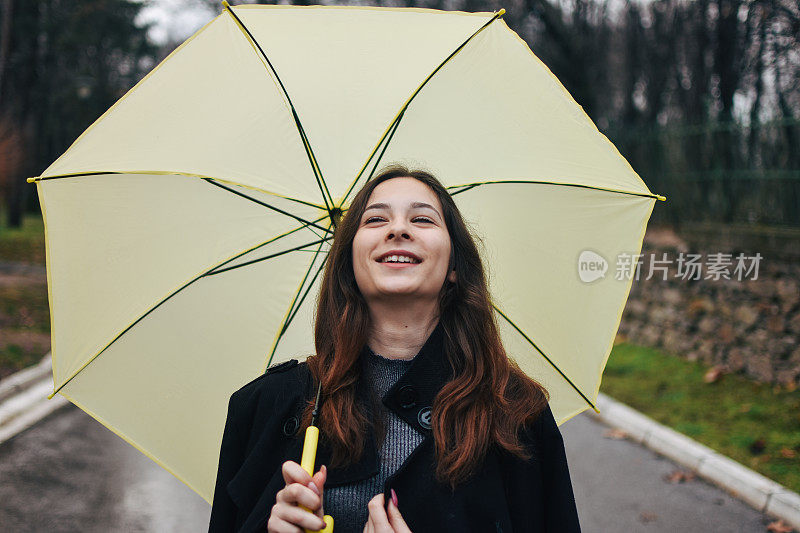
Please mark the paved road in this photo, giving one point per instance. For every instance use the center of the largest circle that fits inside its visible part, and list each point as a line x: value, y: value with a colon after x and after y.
x: 68, y: 474
x: 619, y: 487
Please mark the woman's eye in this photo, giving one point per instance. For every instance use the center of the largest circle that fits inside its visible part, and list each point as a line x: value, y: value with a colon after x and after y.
x: 381, y: 219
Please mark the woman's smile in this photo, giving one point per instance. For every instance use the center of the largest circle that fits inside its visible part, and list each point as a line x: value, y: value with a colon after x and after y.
x: 399, y: 259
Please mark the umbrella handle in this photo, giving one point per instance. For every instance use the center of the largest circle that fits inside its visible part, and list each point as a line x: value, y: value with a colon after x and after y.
x: 307, y: 462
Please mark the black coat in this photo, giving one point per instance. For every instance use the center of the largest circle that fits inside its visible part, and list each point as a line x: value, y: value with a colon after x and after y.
x: 506, y: 495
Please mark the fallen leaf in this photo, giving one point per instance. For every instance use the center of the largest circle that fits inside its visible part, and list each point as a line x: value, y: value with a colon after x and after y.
x: 713, y: 375
x: 745, y: 408
x: 616, y: 434
x: 645, y: 516
x: 788, y: 453
x: 679, y: 476
x: 779, y: 527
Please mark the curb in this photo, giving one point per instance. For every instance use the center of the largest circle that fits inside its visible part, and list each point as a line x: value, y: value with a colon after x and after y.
x: 23, y: 399
x: 758, y: 491
x: 21, y: 380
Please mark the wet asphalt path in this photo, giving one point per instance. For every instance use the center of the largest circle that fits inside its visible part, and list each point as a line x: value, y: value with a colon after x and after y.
x: 69, y: 474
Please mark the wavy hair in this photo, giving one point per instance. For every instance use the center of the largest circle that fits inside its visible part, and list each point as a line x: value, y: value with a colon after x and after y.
x: 489, y: 398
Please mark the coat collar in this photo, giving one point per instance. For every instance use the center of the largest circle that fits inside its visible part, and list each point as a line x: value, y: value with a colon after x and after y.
x: 410, y: 398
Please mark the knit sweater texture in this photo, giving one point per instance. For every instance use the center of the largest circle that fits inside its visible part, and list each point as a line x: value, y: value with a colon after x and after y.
x: 348, y: 503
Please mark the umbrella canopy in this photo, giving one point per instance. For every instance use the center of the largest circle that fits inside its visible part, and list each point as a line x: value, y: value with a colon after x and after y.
x: 187, y: 227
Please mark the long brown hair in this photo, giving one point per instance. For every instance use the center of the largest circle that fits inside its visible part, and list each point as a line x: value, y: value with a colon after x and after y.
x: 489, y: 398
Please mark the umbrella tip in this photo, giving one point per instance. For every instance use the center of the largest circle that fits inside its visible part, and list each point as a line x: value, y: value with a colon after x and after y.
x: 501, y: 12
x: 225, y: 4
x: 31, y: 180
x: 662, y: 198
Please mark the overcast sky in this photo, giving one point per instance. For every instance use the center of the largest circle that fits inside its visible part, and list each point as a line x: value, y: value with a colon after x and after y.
x: 176, y: 19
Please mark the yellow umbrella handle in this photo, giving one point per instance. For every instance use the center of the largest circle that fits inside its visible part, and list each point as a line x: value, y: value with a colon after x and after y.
x: 307, y: 462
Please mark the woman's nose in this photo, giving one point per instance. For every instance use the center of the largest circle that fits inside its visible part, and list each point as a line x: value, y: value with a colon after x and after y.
x: 399, y: 229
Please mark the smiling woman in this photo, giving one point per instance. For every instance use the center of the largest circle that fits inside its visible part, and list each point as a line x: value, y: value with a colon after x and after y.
x: 426, y: 424
x: 402, y: 250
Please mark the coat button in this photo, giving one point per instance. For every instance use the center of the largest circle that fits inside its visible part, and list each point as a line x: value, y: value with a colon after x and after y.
x: 407, y: 397
x: 424, y: 417
x: 290, y: 426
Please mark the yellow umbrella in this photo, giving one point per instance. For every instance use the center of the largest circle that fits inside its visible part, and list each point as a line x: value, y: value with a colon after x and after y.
x: 187, y: 227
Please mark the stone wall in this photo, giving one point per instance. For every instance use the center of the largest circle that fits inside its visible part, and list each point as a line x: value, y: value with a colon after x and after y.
x: 750, y: 326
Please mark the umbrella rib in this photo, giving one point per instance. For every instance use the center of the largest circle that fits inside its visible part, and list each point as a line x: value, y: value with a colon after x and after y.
x: 170, y: 173
x: 386, y: 145
x: 468, y: 186
x: 173, y: 293
x: 323, y: 187
x: 400, y: 113
x: 293, y: 309
x: 259, y: 202
x: 465, y: 189
x: 511, y: 322
x: 271, y: 256
x: 302, y: 299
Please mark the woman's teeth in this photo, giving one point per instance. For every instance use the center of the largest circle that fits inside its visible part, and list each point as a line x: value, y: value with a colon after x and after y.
x: 399, y: 259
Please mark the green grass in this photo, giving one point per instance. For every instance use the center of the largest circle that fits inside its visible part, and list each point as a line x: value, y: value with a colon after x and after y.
x: 14, y: 357
x: 25, y: 307
x: 24, y: 311
x: 755, y: 424
x: 24, y: 325
x: 24, y: 244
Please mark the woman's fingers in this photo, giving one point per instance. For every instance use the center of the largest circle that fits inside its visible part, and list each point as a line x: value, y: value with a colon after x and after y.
x: 301, y: 492
x: 381, y: 521
x: 320, y: 477
x: 318, y: 483
x: 369, y: 527
x: 294, y: 473
x: 378, y: 520
x: 303, y: 518
x: 297, y: 494
x: 396, y: 519
x: 276, y: 525
x: 286, y: 518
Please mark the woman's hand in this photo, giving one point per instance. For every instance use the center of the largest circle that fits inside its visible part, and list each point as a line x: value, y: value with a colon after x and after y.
x: 300, y: 489
x: 380, y: 522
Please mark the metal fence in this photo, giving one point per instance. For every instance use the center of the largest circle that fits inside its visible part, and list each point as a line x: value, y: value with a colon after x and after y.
x: 719, y: 172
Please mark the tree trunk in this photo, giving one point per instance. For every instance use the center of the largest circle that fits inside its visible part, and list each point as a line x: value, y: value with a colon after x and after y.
x: 5, y: 44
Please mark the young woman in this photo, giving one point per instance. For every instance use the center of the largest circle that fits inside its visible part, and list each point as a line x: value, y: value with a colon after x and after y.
x: 425, y: 423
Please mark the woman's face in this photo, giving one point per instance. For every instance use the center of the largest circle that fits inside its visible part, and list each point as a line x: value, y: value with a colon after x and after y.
x: 402, y: 248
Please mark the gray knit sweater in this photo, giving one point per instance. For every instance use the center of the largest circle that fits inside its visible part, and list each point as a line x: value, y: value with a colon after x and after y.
x: 347, y: 504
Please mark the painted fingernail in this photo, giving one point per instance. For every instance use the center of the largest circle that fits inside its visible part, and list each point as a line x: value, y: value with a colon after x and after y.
x: 313, y: 487
x: 394, y: 498
x: 324, y: 469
